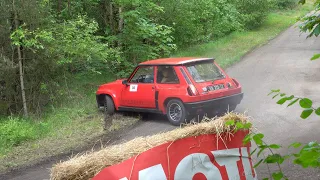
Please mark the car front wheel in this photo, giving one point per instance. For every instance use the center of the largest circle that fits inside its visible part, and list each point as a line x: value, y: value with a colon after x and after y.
x: 176, y: 112
x: 109, y: 108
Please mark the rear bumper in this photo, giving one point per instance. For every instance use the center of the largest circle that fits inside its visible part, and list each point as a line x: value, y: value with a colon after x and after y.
x: 213, y: 103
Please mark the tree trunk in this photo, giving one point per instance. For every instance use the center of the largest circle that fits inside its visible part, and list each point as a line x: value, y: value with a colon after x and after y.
x: 24, y: 102
x: 120, y: 20
x: 111, y: 16
x: 120, y: 26
x: 59, y: 6
x: 69, y: 8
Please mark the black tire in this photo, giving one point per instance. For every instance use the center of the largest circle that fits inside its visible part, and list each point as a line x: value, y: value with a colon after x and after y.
x: 144, y: 116
x: 178, y: 114
x: 109, y: 108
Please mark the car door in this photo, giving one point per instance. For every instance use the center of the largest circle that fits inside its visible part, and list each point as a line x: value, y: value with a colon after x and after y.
x: 139, y: 92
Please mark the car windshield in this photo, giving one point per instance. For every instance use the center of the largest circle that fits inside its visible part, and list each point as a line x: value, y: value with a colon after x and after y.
x: 202, y: 72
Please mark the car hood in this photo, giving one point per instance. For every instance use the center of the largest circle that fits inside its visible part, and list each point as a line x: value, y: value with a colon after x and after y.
x: 118, y: 81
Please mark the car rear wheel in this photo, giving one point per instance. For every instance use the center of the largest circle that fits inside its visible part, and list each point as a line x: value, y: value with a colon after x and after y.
x: 176, y: 112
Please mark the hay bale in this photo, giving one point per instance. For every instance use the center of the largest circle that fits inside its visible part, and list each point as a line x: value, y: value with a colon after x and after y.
x: 88, y: 165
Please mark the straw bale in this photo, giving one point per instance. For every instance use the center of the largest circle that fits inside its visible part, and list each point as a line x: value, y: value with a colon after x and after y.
x: 86, y: 166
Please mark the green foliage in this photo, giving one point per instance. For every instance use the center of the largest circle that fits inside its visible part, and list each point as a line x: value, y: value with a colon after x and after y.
x: 140, y: 36
x: 30, y: 39
x: 145, y: 40
x: 274, y: 146
x: 95, y: 36
x: 14, y: 131
x: 305, y: 103
x: 311, y: 23
x: 309, y: 155
x: 317, y: 111
x: 258, y: 138
x: 306, y: 113
x: 284, y: 4
x: 77, y: 47
x: 274, y: 158
x: 277, y: 175
x: 316, y: 56
x: 295, y: 145
x: 200, y: 21
x: 252, y: 12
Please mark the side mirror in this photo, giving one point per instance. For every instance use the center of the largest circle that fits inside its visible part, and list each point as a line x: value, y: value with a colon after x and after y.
x: 125, y: 82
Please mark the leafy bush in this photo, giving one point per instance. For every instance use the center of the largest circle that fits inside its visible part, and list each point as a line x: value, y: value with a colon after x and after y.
x: 199, y: 21
x: 142, y: 37
x: 224, y: 20
x: 15, y: 130
x: 76, y: 45
x: 252, y: 12
x: 284, y: 4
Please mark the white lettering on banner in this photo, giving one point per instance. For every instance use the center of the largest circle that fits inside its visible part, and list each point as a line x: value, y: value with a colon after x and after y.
x: 247, y: 166
x: 229, y: 159
x: 153, y: 173
x: 133, y: 88
x: 196, y: 163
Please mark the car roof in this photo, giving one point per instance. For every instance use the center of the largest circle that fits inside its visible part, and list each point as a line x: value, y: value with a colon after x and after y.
x: 175, y: 61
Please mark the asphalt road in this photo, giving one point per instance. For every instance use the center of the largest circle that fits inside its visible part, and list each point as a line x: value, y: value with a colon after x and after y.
x: 283, y: 64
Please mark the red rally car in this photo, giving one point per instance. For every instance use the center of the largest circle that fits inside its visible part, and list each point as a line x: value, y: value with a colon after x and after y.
x: 176, y: 87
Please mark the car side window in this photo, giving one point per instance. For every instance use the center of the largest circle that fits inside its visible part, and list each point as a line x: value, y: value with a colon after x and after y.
x: 167, y: 75
x: 143, y: 75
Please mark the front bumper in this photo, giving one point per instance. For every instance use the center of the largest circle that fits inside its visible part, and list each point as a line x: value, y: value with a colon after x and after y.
x: 214, y: 103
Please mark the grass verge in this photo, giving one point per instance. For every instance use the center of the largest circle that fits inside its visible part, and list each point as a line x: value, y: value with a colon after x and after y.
x: 78, y: 122
x: 231, y: 48
x: 73, y: 125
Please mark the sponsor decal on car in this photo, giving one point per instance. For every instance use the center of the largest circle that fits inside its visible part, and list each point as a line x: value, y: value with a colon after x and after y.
x: 133, y: 87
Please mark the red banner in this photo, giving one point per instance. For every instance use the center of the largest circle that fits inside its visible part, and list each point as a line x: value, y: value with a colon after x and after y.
x: 203, y: 157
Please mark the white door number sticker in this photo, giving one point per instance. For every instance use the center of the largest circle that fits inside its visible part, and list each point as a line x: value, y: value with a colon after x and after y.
x: 133, y: 87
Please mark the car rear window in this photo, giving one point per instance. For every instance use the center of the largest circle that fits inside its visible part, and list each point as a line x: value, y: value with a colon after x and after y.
x: 203, y: 72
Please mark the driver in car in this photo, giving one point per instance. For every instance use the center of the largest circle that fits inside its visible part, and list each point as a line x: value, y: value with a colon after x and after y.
x: 167, y: 75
